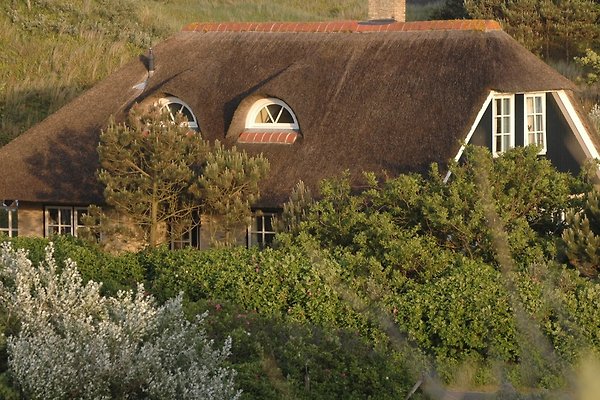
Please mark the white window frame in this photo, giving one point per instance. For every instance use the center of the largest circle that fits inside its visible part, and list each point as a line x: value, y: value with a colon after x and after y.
x: 12, y: 217
x: 511, y: 131
x: 257, y: 108
x: 186, y: 239
x: 166, y: 101
x: 69, y: 229
x: 77, y: 213
x: 263, y: 233
x: 526, y: 114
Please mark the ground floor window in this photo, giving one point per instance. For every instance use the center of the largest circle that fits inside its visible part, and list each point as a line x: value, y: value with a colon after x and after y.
x: 63, y: 220
x: 187, y: 237
x: 9, y: 218
x: 261, y: 231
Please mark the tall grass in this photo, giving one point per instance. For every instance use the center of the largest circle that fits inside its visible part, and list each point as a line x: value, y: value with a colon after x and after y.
x: 41, y: 73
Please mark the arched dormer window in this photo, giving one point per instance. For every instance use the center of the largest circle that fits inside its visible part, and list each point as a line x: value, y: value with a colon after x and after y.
x: 270, y: 120
x: 176, y: 106
x: 271, y: 114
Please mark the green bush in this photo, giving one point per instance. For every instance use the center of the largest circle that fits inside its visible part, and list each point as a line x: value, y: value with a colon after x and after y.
x: 115, y: 272
x: 276, y: 359
x: 463, y: 315
x: 286, y: 282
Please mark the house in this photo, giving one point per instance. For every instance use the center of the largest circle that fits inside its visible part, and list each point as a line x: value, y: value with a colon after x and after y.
x: 316, y: 99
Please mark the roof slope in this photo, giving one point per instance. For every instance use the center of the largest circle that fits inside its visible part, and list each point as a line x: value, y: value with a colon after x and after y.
x: 395, y: 101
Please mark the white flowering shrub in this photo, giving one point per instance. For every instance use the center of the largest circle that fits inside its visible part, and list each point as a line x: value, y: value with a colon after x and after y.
x: 74, y: 343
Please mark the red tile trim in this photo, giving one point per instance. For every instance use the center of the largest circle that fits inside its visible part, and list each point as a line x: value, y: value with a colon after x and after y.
x: 345, y: 26
x: 276, y: 137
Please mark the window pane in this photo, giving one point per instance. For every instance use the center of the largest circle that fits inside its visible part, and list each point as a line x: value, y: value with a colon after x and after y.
x: 286, y: 117
x: 498, y: 143
x: 538, y: 104
x: 505, y: 142
x: 529, y: 105
x: 15, y: 219
x: 505, y: 124
x: 530, y: 126
x: 65, y: 217
x: 269, y: 237
x: 268, y: 220
x: 4, y: 219
x: 506, y: 106
x: 539, y: 123
x: 498, y: 107
x: 262, y: 117
x: 52, y: 216
x: 274, y: 110
x: 80, y: 213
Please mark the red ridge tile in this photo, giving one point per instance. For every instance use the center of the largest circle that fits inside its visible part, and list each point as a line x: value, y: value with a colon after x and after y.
x: 342, y: 26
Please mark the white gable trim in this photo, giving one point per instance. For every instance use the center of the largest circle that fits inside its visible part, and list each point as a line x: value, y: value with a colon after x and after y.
x: 581, y: 133
x: 484, y: 107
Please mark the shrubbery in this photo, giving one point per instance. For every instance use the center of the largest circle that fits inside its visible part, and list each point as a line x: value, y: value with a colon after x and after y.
x: 274, y: 283
x: 74, y: 343
x: 407, y: 267
x: 278, y: 359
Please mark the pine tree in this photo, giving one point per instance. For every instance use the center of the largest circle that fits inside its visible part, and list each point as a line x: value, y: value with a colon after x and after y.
x: 296, y: 209
x: 147, y: 168
x: 582, y: 238
x: 228, y: 186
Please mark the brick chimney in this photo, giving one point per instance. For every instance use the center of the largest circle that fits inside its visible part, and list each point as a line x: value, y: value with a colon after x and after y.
x: 387, y: 9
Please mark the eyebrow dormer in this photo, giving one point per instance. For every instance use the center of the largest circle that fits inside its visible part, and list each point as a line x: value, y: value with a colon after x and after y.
x: 270, y: 120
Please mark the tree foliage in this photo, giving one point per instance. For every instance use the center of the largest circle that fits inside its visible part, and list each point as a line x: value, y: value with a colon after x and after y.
x: 147, y: 169
x: 228, y: 186
x: 158, y: 172
x: 412, y: 213
x: 591, y: 62
x: 552, y: 28
x: 582, y: 237
x: 74, y: 343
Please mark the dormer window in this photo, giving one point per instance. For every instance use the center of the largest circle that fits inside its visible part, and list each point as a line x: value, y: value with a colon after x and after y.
x: 176, y: 106
x: 270, y: 120
x: 271, y: 114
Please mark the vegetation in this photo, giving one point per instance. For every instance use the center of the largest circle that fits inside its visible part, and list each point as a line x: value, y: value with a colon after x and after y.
x: 71, y: 342
x: 147, y: 169
x: 408, y: 275
x: 554, y: 29
x: 475, y: 281
x: 227, y: 187
x: 159, y: 172
x: 582, y: 237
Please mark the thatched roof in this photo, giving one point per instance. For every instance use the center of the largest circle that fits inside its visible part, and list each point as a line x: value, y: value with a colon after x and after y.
x: 394, y: 100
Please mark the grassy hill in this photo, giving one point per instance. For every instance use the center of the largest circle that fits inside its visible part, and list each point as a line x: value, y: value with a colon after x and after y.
x: 52, y: 50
